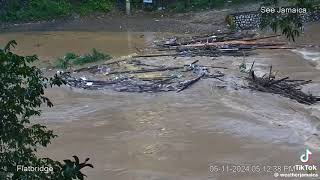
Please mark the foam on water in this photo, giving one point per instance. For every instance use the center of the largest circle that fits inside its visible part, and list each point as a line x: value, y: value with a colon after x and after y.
x: 310, y: 55
x: 272, y: 119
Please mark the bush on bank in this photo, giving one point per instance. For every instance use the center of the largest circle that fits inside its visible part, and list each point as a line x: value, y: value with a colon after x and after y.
x: 72, y: 59
x: 22, y: 89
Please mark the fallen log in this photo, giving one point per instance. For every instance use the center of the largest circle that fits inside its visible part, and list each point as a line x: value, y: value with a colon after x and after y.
x: 194, y: 62
x: 302, y: 83
x: 218, y: 67
x: 215, y: 76
x: 156, y: 55
x: 277, y: 81
x: 116, y: 62
x: 146, y: 70
x: 95, y: 67
x: 221, y: 37
x: 86, y: 68
x: 260, y: 38
x: 274, y: 47
x: 238, y: 42
x: 190, y: 83
x: 224, y: 44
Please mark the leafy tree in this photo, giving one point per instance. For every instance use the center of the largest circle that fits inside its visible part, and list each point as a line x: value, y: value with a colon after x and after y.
x: 290, y: 24
x: 21, y: 95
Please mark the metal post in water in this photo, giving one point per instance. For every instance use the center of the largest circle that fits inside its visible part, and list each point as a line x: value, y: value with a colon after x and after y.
x: 128, y: 8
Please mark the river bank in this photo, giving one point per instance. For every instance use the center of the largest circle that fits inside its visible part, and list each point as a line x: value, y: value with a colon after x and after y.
x: 143, y: 136
x: 194, y: 22
x: 199, y: 21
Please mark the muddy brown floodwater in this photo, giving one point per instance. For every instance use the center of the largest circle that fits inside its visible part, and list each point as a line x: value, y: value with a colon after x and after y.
x: 51, y: 45
x: 177, y: 136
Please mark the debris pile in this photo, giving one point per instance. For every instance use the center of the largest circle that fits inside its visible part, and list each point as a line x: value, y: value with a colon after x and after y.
x: 223, y: 44
x: 283, y: 86
x: 175, y: 78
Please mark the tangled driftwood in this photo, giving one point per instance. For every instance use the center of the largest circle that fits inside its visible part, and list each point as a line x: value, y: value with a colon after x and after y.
x: 223, y: 44
x: 283, y: 86
x: 124, y: 82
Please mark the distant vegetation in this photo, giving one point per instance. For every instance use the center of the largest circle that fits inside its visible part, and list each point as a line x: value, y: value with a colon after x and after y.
x: 291, y: 24
x: 71, y: 59
x: 91, y: 6
x: 187, y: 5
x: 34, y: 10
x: 26, y: 10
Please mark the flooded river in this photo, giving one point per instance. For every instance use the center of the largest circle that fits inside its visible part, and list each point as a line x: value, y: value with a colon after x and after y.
x: 51, y: 45
x: 177, y: 136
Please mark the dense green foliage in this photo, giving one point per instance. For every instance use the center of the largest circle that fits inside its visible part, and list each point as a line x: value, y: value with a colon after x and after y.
x: 290, y: 24
x: 25, y: 10
x: 14, y: 10
x: 187, y: 5
x: 71, y: 59
x: 21, y: 95
x: 91, y: 6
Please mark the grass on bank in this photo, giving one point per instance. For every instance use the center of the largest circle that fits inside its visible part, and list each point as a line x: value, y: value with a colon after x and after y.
x: 72, y: 59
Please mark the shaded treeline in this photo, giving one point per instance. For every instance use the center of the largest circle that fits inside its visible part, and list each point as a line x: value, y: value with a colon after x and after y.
x: 26, y: 10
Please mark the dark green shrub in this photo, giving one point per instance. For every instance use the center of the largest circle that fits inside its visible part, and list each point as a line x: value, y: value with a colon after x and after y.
x: 95, y: 56
x: 179, y: 6
x: 35, y: 10
x: 46, y: 9
x: 22, y: 94
x: 71, y: 56
x: 184, y: 5
x: 92, y: 6
x: 72, y: 59
x: 9, y: 9
x: 66, y: 62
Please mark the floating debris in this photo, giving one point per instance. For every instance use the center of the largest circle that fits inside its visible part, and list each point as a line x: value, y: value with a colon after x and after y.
x: 135, y: 75
x: 124, y: 81
x: 283, y: 86
x: 215, y: 45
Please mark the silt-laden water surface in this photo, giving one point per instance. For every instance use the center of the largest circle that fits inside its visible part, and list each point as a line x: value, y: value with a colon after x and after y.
x: 166, y: 136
